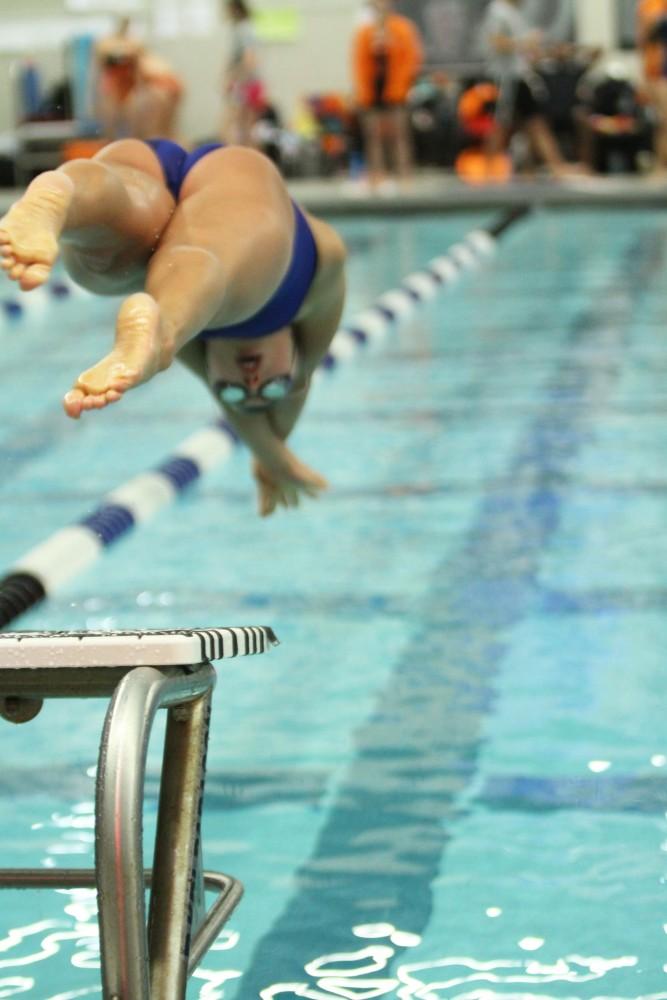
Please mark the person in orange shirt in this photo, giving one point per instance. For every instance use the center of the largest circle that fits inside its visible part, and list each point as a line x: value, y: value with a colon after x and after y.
x: 652, y: 43
x: 387, y: 56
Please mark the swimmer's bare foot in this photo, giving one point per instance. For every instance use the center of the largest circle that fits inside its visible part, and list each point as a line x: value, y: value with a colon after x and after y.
x: 29, y: 231
x: 134, y: 359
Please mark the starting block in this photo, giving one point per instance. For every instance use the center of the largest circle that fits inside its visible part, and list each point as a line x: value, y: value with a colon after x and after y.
x: 143, y: 957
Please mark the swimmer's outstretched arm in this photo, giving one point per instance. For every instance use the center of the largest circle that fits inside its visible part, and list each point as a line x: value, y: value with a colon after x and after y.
x: 282, y: 478
x: 317, y: 323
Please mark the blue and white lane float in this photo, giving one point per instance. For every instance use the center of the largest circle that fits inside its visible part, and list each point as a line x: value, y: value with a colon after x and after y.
x: 48, y: 567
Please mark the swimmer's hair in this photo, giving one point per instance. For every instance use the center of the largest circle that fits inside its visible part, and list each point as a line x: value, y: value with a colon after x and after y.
x: 240, y: 9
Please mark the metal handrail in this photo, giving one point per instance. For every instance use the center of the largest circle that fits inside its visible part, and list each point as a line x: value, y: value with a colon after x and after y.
x: 229, y: 893
x: 126, y: 969
x: 153, y: 962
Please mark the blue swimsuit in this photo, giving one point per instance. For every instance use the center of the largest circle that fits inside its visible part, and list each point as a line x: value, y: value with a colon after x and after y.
x: 285, y: 303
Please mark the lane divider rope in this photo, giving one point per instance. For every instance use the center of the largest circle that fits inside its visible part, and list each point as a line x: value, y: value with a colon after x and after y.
x: 45, y: 569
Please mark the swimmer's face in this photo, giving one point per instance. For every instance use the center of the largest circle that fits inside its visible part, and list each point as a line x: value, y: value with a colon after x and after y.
x: 252, y: 375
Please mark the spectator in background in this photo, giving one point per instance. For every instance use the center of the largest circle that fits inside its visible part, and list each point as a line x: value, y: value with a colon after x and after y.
x: 433, y: 119
x: 476, y: 163
x: 117, y: 76
x: 387, y: 56
x: 156, y: 99
x: 615, y: 131
x: 244, y: 89
x: 565, y: 70
x: 652, y: 43
x: 511, y: 47
x: 138, y: 93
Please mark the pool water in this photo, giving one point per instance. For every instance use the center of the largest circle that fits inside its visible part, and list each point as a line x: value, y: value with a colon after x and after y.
x: 450, y: 780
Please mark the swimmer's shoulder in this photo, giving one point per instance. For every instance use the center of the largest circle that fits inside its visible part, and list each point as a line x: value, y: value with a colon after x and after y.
x: 331, y: 249
x: 327, y: 290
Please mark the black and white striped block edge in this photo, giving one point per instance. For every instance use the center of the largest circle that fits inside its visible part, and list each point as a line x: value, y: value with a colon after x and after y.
x: 155, y: 647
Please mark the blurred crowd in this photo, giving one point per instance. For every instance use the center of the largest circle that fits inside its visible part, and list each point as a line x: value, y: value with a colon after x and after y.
x: 531, y: 105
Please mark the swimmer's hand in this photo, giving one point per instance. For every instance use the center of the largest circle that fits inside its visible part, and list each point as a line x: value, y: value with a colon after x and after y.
x: 284, y: 485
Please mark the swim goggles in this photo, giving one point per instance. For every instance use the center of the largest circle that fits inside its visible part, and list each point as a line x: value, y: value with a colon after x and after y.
x: 237, y: 394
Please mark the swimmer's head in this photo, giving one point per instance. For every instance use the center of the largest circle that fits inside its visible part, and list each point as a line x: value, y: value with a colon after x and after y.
x: 252, y: 375
x: 238, y: 10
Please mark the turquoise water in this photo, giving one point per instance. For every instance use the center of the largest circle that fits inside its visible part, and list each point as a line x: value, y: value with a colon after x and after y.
x: 450, y: 779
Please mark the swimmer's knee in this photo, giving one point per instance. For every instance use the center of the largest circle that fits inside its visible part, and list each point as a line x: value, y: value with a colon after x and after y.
x: 102, y: 279
x: 80, y: 165
x: 88, y: 175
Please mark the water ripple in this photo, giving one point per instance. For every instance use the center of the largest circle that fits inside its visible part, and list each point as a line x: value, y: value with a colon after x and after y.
x: 367, y: 973
x: 14, y: 987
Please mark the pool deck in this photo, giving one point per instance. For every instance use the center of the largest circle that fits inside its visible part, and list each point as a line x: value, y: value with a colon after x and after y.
x: 440, y: 191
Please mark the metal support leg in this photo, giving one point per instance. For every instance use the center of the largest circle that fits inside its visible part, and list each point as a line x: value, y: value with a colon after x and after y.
x: 118, y: 839
x: 177, y: 899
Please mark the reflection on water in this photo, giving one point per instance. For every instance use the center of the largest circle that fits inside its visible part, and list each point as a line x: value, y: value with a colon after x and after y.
x: 357, y: 974
x: 73, y: 994
x: 78, y: 935
x: 15, y: 986
x: 378, y: 968
x: 47, y: 947
x: 215, y: 981
x: 363, y: 973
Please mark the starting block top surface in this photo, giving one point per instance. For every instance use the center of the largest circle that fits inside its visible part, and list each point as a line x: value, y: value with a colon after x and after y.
x: 151, y: 648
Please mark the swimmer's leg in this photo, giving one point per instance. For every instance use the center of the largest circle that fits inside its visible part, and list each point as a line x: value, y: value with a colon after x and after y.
x: 135, y: 357
x: 152, y: 328
x: 107, y: 213
x: 30, y: 231
x: 220, y: 257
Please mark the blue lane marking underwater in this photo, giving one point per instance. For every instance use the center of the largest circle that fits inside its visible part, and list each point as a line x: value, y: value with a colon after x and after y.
x: 443, y: 684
